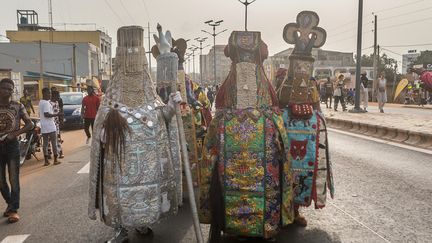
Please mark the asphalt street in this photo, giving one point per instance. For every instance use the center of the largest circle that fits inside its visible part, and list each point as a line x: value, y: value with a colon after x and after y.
x: 383, y: 194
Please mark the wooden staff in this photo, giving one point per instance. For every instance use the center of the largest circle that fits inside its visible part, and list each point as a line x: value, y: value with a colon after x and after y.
x: 167, y: 72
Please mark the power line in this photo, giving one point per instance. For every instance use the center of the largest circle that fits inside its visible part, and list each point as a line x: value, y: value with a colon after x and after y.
x: 146, y: 9
x: 392, y: 51
x: 428, y: 44
x: 404, y: 14
x: 407, y: 23
x: 114, y: 12
x: 346, y: 31
x: 351, y: 37
x: 399, y: 6
x: 127, y: 12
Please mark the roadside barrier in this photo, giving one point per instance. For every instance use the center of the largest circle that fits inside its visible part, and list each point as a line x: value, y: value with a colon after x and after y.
x: 413, y: 138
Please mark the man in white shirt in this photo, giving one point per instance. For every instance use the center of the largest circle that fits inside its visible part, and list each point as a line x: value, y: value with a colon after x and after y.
x: 48, y: 127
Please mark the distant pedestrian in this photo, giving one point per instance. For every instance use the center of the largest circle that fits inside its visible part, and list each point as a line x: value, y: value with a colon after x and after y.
x: 210, y: 96
x: 48, y: 126
x: 55, y: 96
x: 338, y: 93
x: 11, y: 113
x: 328, y: 92
x: 60, y: 103
x: 364, y: 91
x: 382, y: 92
x: 90, y: 106
x: 27, y: 102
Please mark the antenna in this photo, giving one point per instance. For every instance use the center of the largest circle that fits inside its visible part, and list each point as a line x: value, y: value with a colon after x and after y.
x: 246, y: 3
x: 50, y: 19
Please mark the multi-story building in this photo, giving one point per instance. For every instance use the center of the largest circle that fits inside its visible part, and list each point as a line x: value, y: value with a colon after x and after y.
x: 63, y: 58
x: 327, y: 64
x: 57, y: 63
x: 30, y: 31
x: 223, y: 65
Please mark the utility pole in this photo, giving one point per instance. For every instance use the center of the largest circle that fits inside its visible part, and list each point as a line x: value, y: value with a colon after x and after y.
x: 359, y: 57
x: 193, y: 49
x: 246, y: 3
x: 375, y: 57
x: 149, y: 46
x: 214, y: 24
x: 201, y: 40
x: 50, y: 20
x: 41, y: 79
x: 74, y: 67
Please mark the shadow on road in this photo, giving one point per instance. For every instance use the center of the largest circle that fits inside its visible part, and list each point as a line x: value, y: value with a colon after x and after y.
x: 292, y: 234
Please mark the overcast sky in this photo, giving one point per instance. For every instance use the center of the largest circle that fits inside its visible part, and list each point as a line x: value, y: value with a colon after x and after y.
x: 401, y: 22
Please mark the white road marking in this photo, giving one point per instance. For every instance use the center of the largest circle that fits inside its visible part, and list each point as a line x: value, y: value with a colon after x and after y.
x: 15, y: 239
x: 85, y: 169
x: 426, y: 151
x: 359, y: 222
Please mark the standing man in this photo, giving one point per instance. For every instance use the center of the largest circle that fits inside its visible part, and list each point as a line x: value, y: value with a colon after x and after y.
x: 60, y: 103
x: 328, y: 92
x: 11, y: 113
x: 338, y: 93
x: 26, y: 101
x: 364, y: 82
x: 48, y: 126
x: 210, y: 96
x: 90, y: 106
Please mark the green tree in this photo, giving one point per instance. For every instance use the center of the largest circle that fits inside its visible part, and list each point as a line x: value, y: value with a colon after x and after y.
x: 385, y: 64
x: 424, y: 58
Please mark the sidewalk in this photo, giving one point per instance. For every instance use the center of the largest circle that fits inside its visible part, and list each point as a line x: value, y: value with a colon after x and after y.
x: 402, y: 105
x: 411, y: 129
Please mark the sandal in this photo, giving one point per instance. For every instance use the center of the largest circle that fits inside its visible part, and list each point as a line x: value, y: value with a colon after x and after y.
x: 300, y: 221
x: 13, y: 217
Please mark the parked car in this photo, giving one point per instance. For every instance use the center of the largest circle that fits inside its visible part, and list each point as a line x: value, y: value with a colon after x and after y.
x: 72, y: 109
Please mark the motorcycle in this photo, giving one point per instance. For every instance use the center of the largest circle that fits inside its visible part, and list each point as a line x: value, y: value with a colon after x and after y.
x: 30, y: 143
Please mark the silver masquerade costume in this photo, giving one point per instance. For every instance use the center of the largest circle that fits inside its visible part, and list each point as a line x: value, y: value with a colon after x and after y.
x: 141, y: 188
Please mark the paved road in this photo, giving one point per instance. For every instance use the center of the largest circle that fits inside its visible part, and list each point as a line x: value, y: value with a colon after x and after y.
x: 382, y: 195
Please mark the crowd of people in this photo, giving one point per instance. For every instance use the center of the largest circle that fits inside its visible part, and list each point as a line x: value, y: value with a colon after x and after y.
x: 50, y: 117
x: 338, y: 92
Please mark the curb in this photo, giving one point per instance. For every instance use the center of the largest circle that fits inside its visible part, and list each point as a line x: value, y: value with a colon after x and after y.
x: 418, y: 139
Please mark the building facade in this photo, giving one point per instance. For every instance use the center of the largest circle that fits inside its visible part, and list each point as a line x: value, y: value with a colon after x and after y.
x: 408, y: 59
x: 223, y: 65
x: 57, y: 63
x: 29, y: 30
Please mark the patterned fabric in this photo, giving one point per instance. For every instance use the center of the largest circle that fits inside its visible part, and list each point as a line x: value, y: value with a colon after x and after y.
x: 310, y: 170
x: 246, y: 147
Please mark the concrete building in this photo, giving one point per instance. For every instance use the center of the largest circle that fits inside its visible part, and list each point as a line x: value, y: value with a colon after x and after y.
x: 327, y: 64
x: 223, y: 65
x: 29, y: 30
x: 57, y: 63
x: 408, y: 59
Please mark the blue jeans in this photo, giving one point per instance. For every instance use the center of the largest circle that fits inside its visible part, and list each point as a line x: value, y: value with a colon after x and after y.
x: 9, y: 158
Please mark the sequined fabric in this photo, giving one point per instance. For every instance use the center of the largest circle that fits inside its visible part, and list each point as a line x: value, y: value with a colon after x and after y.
x: 143, y: 190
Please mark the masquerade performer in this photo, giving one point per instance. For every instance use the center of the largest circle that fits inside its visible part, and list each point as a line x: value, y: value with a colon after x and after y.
x: 245, y: 185
x: 133, y: 180
x: 304, y: 122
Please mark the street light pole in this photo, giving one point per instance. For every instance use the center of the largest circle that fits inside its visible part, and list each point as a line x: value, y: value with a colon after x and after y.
x: 201, y: 40
x: 246, y: 3
x: 214, y: 24
x: 193, y: 49
x: 359, y: 57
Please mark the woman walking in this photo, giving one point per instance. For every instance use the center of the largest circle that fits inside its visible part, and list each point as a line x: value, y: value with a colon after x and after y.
x: 382, y: 93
